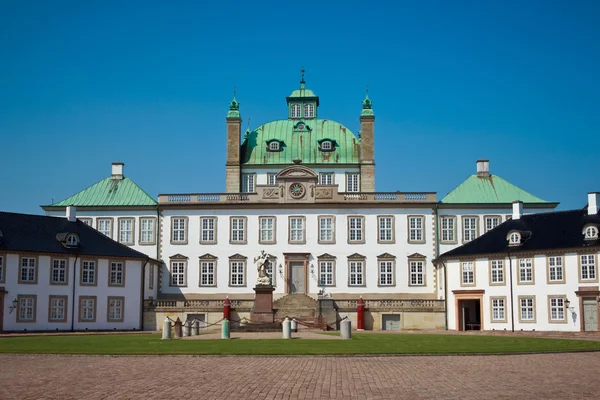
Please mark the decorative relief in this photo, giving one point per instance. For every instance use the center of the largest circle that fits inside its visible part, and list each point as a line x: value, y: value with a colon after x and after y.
x: 323, y: 193
x: 270, y: 193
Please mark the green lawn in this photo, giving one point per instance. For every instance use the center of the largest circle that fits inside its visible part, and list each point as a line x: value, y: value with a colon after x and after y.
x: 361, y: 343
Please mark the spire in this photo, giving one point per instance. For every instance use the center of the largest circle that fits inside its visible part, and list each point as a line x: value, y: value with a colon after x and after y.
x: 367, y: 106
x: 302, y: 82
x: 234, y: 107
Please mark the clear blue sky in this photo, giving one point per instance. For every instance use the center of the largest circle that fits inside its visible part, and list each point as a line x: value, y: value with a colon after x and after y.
x: 85, y: 83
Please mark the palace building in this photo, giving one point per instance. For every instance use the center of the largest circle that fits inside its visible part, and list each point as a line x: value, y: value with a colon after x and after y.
x: 302, y: 189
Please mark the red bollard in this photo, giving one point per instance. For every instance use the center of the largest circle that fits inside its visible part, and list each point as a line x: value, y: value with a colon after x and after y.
x: 360, y: 314
x: 227, y: 309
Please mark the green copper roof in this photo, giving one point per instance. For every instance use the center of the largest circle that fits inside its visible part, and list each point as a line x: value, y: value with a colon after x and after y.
x: 490, y: 189
x: 300, y: 144
x: 302, y: 93
x: 367, y: 106
x: 234, y: 108
x: 109, y: 192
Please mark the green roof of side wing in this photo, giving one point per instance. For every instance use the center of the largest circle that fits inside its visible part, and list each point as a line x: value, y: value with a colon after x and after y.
x: 488, y: 190
x: 300, y: 144
x: 109, y: 192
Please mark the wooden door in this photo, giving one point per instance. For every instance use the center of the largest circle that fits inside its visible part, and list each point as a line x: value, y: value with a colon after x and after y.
x: 590, y: 315
x: 297, y: 277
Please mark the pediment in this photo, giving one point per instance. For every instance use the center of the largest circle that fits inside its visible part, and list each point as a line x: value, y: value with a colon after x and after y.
x: 417, y: 255
x: 326, y: 256
x: 296, y: 172
x: 356, y: 255
x: 237, y: 256
x: 386, y: 255
x: 178, y: 256
x: 207, y: 256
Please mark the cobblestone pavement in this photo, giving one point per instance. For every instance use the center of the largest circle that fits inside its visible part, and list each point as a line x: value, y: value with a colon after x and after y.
x: 543, y: 376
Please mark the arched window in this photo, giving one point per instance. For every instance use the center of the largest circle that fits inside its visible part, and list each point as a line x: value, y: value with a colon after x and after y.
x: 326, y: 145
x: 295, y: 111
x: 309, y: 111
x: 514, y: 238
x: 274, y: 146
x: 72, y: 240
x: 591, y: 232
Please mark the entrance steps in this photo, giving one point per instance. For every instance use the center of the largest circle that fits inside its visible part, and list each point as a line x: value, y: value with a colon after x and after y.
x: 298, y: 306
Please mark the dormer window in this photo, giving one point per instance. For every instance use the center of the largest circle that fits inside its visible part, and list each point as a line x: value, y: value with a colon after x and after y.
x: 309, y: 111
x: 274, y: 145
x: 590, y: 232
x: 514, y: 239
x: 72, y: 240
x: 327, y: 145
x: 295, y: 111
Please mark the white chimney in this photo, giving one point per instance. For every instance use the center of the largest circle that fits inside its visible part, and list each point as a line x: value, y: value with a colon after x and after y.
x: 117, y: 170
x: 517, y: 209
x: 593, y: 202
x: 71, y: 213
x: 483, y: 167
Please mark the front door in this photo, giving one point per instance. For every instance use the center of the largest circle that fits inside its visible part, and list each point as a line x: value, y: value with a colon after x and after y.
x: 297, y: 277
x: 391, y: 322
x: 590, y: 315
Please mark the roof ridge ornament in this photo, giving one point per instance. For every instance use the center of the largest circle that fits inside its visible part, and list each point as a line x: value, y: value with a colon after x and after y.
x: 234, y: 106
x: 302, y: 82
x: 367, y: 105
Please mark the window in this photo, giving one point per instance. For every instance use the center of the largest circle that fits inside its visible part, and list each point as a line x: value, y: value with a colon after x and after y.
x: 498, y: 309
x: 237, y: 272
x: 327, y: 145
x: 238, y: 230
x: 271, y: 179
x: 151, y: 277
x: 356, y: 227
x: 88, y: 273
x: 526, y: 270
x: 2, y: 280
x: 295, y: 111
x: 28, y: 272
x: 415, y: 229
x: 57, y: 309
x: 527, y: 309
x: 104, y: 226
x: 386, y: 272
x: 356, y: 274
x: 587, y: 267
x: 116, y: 309
x: 126, y: 230
x: 385, y: 233
x: 207, y: 273
x: 514, y: 239
x: 469, y: 228
x: 248, y: 183
x: 87, y: 309
x: 326, y: 178
x: 591, y: 232
x: 352, y: 183
x: 557, y: 309
x: 59, y: 272
x: 27, y: 307
x: 555, y: 270
x: 274, y: 146
x: 72, y: 240
x: 326, y: 229
x: 309, y: 111
x: 468, y: 273
x: 208, y: 230
x: 179, y: 273
x: 296, y: 234
x: 492, y: 221
x: 326, y: 272
x: 270, y: 268
x: 179, y: 230
x: 87, y: 221
x: 147, y: 231
x: 449, y: 229
x: 266, y: 232
x: 496, y: 272
x: 417, y: 273
x: 116, y: 274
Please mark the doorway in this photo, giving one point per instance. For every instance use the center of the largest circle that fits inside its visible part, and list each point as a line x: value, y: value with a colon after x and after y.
x: 469, y: 315
x: 297, y: 277
x: 2, y: 293
x: 390, y: 322
x: 590, y: 314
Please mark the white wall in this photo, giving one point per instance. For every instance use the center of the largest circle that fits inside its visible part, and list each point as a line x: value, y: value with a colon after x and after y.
x: 43, y: 289
x: 541, y: 290
x: 340, y: 174
x: 341, y: 249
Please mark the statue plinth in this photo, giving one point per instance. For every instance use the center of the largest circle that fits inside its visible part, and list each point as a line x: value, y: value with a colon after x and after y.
x: 263, y: 304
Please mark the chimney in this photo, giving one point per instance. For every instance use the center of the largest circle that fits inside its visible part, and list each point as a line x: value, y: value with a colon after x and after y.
x: 71, y: 213
x: 593, y: 200
x: 117, y: 170
x: 483, y: 168
x: 517, y: 209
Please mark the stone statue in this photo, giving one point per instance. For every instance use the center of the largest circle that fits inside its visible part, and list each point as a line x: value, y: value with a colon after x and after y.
x: 262, y: 262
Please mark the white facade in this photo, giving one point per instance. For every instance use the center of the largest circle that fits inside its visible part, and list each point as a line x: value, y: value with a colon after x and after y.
x: 266, y: 175
x: 42, y: 299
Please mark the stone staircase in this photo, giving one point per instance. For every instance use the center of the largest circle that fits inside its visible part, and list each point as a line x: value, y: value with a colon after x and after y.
x: 298, y: 306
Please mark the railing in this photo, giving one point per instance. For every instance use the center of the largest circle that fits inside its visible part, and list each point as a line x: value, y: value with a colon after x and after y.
x: 404, y: 305
x: 203, y: 304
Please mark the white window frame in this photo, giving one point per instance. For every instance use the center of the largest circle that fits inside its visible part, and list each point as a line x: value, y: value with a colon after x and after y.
x: 556, y: 309
x: 179, y: 227
x: 27, y: 308
x: 353, y: 182
x: 116, y: 273
x: 448, y: 229
x: 274, y: 146
x: 591, y: 232
x: 248, y: 183
x: 208, y: 230
x: 356, y: 273
x: 237, y: 230
x: 356, y: 229
x: 386, y: 272
x: 385, y: 229
x: 208, y: 273
x: 498, y: 309
x: 326, y: 273
x: 556, y: 269
x: 58, y: 274
x: 527, y: 309
x: 297, y: 229
x: 587, y: 268
x: 147, y: 231
x: 526, y: 271
x: 489, y: 222
x: 295, y: 110
x: 271, y: 179
x: 326, y: 145
x: 416, y: 272
x: 326, y: 178
x: 115, y: 309
x: 105, y: 226
x: 57, y: 309
x: 28, y: 270
x: 178, y: 269
x: 87, y: 309
x: 126, y: 230
x: 467, y: 272
x: 237, y: 273
x: 497, y: 272
x: 326, y: 228
x: 416, y: 229
x: 89, y: 273
x: 309, y: 110
x: 470, y: 225
x: 266, y: 229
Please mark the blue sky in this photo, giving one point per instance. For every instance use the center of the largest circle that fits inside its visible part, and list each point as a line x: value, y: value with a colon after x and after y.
x: 85, y: 83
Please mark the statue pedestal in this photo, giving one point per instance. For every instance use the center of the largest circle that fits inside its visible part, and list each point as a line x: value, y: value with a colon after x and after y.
x: 263, y: 304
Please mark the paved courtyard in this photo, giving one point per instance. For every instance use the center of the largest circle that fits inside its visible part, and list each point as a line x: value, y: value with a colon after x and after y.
x: 550, y: 376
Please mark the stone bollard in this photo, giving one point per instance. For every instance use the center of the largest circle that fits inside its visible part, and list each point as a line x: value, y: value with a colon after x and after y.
x: 177, y: 329
x: 294, y: 325
x: 166, y: 333
x: 187, y: 328
x: 287, y: 328
x: 225, y: 329
x: 195, y: 328
x: 346, y: 329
